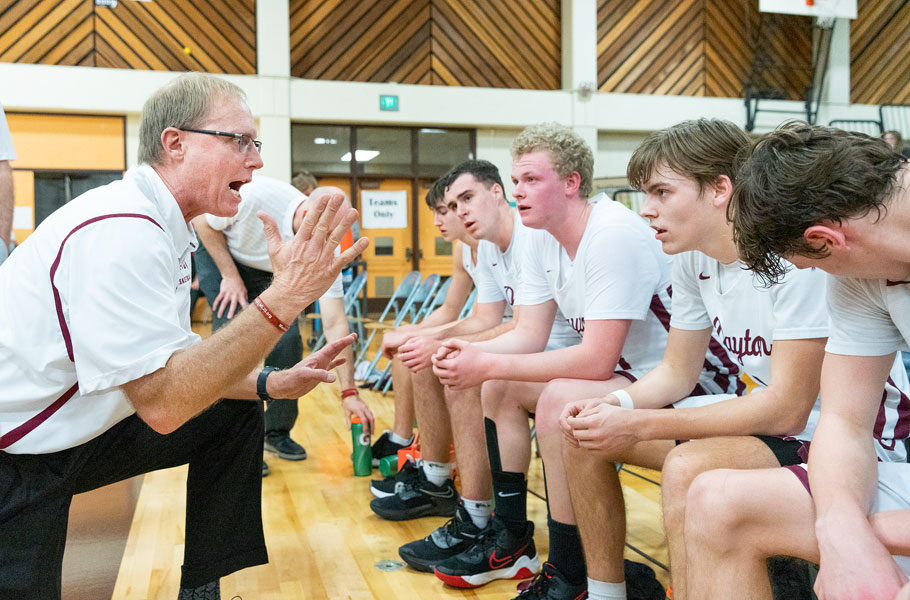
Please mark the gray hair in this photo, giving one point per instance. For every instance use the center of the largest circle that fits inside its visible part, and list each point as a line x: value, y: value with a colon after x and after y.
x: 184, y: 102
x: 568, y: 151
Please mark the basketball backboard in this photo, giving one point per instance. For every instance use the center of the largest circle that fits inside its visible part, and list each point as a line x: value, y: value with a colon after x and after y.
x: 845, y: 9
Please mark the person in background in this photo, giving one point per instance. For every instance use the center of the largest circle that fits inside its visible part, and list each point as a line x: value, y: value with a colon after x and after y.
x: 234, y: 267
x: 7, y: 153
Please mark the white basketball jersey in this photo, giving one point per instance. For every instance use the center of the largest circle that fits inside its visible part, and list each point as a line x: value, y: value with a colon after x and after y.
x: 619, y: 272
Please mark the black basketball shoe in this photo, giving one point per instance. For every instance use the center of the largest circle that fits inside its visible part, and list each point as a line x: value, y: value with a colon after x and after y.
x: 456, y: 535
x: 417, y: 498
x: 550, y: 584
x: 381, y: 488
x: 499, y: 554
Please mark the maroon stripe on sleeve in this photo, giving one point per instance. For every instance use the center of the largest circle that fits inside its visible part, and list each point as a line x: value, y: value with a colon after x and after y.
x: 63, y: 328
x: 14, y: 435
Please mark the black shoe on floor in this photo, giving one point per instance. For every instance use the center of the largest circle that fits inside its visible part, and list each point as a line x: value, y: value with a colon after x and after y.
x: 499, y: 554
x: 265, y: 469
x: 284, y: 447
x: 446, y: 541
x: 417, y: 498
x: 641, y: 582
x: 550, y: 584
x: 382, y: 488
x: 385, y: 447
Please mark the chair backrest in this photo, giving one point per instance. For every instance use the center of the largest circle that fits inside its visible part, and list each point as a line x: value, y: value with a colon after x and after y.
x: 421, y: 296
x: 402, y: 293
x: 437, y: 301
x: 469, y: 303
x: 351, y: 294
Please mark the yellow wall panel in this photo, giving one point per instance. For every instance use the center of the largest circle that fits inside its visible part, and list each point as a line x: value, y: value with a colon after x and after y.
x: 68, y: 142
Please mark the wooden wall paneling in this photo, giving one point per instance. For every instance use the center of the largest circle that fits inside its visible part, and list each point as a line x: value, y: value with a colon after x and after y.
x: 880, y: 52
x: 159, y: 47
x: 411, y: 62
x: 674, y: 53
x: 391, y: 35
x: 728, y: 46
x: 464, y: 56
x: 35, y: 23
x: 442, y: 42
x: 69, y: 31
x: 633, y: 46
x: 531, y: 35
x: 134, y: 35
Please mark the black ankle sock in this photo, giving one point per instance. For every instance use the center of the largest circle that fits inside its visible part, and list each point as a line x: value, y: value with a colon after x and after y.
x: 566, y: 553
x: 209, y: 591
x: 510, y: 493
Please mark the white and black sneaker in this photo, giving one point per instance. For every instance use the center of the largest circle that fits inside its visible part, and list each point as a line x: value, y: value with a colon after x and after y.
x: 417, y: 498
x: 382, y: 488
x: 385, y: 447
x: 456, y: 535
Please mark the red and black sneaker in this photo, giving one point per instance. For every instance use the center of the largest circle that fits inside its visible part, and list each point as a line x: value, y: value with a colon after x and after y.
x: 499, y: 554
x: 550, y: 584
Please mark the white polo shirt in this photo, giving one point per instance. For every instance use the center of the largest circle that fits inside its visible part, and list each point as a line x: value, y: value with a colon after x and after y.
x: 619, y: 272
x: 244, y: 234
x: 7, y: 152
x: 871, y: 317
x: 96, y: 297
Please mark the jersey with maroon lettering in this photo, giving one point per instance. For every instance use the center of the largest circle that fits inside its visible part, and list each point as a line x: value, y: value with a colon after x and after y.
x: 746, y: 317
x: 619, y: 272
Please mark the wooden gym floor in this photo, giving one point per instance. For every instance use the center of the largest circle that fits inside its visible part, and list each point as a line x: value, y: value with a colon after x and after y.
x: 323, y: 539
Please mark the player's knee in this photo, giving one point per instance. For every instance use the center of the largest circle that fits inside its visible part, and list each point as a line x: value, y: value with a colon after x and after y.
x: 682, y: 465
x: 493, y: 397
x: 549, y: 406
x: 712, y: 515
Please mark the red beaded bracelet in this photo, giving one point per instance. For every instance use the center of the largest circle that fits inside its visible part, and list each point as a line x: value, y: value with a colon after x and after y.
x: 348, y: 393
x: 269, y: 315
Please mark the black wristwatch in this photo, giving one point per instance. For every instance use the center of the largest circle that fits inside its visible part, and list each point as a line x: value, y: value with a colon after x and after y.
x: 260, y: 384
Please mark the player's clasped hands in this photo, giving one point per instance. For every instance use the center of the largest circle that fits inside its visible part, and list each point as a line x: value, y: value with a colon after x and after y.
x: 459, y: 365
x: 597, y: 424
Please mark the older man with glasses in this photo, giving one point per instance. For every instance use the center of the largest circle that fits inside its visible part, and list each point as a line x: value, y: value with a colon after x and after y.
x: 103, y: 379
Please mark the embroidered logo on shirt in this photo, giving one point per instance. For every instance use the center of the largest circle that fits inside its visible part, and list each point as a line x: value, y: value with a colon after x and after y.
x: 702, y: 276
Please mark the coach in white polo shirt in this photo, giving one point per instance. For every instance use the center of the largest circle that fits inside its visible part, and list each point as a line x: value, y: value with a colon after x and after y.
x: 233, y: 266
x: 101, y: 376
x: 7, y: 153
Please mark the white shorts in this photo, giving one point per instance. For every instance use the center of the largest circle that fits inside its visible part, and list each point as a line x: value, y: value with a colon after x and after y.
x: 893, y: 493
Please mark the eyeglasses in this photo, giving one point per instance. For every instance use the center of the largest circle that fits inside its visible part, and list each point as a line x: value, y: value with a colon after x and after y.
x: 244, y: 141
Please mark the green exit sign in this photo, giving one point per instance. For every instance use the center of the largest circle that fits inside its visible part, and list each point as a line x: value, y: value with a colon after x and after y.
x: 388, y: 103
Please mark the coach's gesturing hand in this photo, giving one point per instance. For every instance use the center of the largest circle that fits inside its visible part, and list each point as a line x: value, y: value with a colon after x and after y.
x: 306, y: 265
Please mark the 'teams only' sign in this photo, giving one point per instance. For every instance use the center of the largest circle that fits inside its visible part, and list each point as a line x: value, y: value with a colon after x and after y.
x: 384, y: 210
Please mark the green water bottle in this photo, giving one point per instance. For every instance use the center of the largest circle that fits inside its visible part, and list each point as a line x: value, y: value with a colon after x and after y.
x: 362, y: 457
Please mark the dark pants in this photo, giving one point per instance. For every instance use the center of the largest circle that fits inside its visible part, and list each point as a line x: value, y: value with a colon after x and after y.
x: 282, y: 412
x: 223, y: 447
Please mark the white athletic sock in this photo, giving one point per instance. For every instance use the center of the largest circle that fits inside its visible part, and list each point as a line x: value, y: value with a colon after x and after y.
x: 480, y: 511
x: 436, y: 472
x: 394, y: 437
x: 604, y: 590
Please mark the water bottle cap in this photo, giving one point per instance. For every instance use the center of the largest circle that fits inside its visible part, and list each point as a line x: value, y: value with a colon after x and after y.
x: 356, y: 420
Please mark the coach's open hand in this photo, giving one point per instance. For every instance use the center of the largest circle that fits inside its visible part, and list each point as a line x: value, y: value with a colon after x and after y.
x: 309, y: 372
x: 305, y: 266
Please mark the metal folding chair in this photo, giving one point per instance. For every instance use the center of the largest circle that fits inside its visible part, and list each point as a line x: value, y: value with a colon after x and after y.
x: 351, y: 309
x: 396, y: 303
x: 468, y: 305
